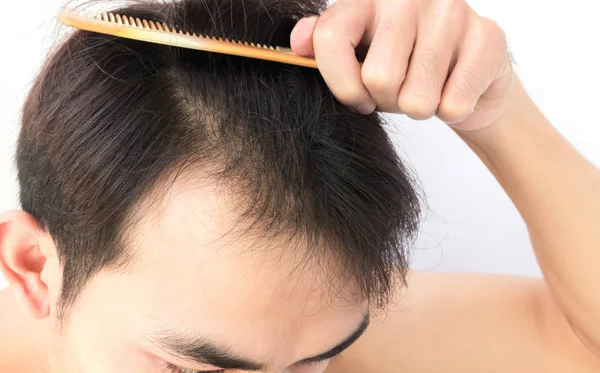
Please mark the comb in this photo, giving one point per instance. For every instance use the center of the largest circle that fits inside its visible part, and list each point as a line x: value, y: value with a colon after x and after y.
x: 160, y: 33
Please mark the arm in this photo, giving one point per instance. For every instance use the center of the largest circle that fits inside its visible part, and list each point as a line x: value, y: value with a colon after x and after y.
x: 557, y: 191
x: 478, y: 323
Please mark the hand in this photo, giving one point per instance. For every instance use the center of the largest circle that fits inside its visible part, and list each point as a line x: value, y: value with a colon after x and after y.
x: 425, y: 58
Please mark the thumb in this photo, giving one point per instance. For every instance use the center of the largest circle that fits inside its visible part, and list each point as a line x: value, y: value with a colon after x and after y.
x: 302, y: 36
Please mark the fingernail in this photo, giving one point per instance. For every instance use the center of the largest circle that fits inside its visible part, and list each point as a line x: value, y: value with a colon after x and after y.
x: 366, y: 108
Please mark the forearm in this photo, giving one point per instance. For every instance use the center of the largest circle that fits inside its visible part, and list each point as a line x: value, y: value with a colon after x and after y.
x: 557, y: 191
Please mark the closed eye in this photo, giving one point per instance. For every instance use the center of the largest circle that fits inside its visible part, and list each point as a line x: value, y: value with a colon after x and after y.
x: 321, y: 360
x: 173, y: 369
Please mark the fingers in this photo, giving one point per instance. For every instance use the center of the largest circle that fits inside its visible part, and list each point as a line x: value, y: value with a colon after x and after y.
x: 421, y: 62
x: 301, y: 36
x: 337, y: 33
x: 385, y: 66
x: 478, y: 63
x: 436, y: 46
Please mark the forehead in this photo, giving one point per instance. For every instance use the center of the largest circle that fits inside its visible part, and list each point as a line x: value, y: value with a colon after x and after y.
x: 194, y: 266
x: 197, y: 226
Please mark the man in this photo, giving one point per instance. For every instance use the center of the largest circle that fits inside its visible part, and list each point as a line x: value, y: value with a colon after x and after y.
x: 187, y: 300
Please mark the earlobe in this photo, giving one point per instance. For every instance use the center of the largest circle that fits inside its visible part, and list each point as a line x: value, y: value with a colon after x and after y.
x: 22, y: 260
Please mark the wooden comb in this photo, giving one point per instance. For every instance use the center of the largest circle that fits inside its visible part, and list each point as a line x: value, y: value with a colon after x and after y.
x: 160, y: 33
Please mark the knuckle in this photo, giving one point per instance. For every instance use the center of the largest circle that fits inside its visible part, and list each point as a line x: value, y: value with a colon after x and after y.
x: 494, y: 39
x: 450, y: 112
x: 492, y: 29
x: 325, y: 32
x: 378, y: 79
x: 487, y: 24
x: 458, y: 7
x: 453, y: 12
x: 417, y: 106
x: 351, y: 94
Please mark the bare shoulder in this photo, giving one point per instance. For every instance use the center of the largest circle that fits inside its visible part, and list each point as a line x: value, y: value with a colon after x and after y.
x: 21, y: 338
x: 469, y: 323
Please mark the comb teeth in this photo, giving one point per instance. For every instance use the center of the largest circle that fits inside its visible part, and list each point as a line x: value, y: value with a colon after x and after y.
x: 151, y: 25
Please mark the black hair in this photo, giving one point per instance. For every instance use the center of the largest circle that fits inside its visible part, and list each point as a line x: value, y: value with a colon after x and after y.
x: 108, y: 118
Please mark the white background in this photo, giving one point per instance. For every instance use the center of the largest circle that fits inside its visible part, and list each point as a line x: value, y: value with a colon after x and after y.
x: 471, y: 224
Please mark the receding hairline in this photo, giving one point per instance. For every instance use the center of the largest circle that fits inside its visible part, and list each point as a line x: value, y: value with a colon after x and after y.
x: 312, y: 257
x: 323, y: 116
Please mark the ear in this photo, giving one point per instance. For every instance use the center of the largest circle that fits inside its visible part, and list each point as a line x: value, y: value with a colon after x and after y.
x: 22, y: 260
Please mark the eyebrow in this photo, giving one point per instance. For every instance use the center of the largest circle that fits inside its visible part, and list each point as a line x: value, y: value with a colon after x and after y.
x: 201, y: 350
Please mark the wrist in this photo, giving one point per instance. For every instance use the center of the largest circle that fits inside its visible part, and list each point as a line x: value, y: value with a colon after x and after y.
x: 519, y: 119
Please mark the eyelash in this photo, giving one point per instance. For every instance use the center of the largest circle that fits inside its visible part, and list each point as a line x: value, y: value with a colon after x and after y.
x: 173, y: 369
x: 331, y: 359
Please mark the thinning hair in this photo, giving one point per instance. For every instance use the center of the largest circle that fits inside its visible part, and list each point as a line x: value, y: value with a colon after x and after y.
x: 108, y: 118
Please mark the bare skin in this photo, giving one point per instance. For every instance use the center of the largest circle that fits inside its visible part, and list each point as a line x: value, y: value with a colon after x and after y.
x: 442, y: 322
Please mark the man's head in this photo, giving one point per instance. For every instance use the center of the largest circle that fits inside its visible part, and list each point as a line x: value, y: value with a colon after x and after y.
x: 179, y: 203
